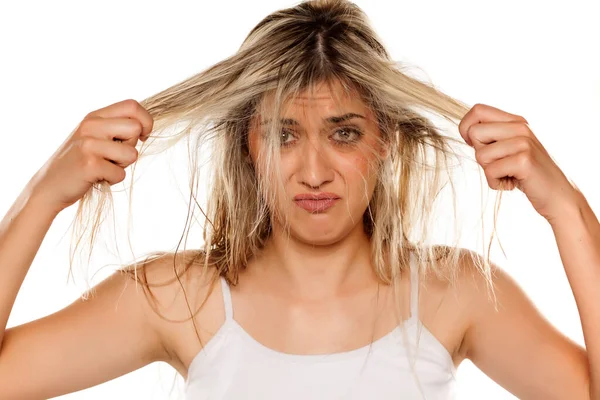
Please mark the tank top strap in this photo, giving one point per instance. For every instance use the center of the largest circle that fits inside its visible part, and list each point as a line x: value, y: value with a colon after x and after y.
x: 414, y: 288
x: 226, y: 298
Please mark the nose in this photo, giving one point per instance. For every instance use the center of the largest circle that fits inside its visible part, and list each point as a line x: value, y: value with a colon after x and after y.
x: 315, y: 167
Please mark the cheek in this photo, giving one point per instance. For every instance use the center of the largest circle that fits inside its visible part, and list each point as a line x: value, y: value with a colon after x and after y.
x: 359, y: 168
x: 288, y: 164
x: 252, y: 144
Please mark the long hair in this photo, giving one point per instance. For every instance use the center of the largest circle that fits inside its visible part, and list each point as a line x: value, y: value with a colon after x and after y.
x: 289, y: 51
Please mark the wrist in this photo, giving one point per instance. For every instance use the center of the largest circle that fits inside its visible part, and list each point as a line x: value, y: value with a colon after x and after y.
x: 40, y: 203
x: 572, y: 211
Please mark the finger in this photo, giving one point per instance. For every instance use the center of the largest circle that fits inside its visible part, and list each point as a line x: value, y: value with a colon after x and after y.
x: 125, y: 129
x: 130, y: 109
x: 484, y: 113
x: 487, y: 154
x: 112, y: 173
x: 513, y: 168
x: 489, y: 132
x: 120, y: 154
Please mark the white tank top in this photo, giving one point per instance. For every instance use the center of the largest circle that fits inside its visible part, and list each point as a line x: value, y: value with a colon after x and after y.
x: 234, y: 366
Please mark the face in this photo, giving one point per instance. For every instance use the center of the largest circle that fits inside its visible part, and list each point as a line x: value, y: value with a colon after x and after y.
x: 330, y: 147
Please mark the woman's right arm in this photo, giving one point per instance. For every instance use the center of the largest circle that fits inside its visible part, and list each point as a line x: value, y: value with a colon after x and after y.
x: 87, y: 343
x: 91, y: 341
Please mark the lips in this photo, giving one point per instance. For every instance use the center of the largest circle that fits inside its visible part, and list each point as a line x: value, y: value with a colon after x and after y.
x: 316, y: 202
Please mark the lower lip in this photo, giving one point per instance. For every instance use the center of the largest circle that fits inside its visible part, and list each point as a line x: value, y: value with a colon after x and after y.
x: 314, y: 206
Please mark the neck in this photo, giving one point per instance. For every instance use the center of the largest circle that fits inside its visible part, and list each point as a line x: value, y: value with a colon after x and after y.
x: 308, y: 271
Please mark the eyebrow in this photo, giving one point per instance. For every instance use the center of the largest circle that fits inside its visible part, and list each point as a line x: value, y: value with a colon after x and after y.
x: 333, y: 120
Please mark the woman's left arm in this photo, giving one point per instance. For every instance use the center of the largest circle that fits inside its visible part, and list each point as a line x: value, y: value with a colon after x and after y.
x: 517, y: 346
x: 577, y: 234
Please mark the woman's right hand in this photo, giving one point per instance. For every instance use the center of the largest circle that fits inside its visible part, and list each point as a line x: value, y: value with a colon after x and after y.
x: 92, y: 153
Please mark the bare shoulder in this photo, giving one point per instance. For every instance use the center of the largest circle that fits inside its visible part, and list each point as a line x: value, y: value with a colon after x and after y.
x: 464, y: 276
x: 183, y: 303
x: 129, y: 320
x: 480, y: 283
x: 453, y: 296
x: 511, y: 341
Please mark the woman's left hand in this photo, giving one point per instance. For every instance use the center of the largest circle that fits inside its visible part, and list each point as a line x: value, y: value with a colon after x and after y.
x: 511, y: 156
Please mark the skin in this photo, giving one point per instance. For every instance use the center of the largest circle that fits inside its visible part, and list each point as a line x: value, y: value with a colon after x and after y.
x: 325, y: 253
x: 321, y: 274
x: 315, y: 291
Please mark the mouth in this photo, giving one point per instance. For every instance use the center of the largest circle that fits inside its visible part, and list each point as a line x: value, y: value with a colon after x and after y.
x: 316, y: 203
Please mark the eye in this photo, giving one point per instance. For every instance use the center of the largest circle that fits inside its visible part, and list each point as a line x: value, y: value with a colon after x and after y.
x: 347, y: 135
x: 286, y: 137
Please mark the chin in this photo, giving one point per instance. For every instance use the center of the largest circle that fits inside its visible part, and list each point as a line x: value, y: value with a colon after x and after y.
x: 318, y: 230
x: 318, y: 240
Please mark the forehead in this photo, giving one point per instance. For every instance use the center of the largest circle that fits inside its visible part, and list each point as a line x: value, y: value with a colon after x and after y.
x: 324, y: 99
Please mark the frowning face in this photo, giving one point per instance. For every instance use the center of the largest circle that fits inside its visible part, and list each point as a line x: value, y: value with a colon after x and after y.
x: 330, y: 147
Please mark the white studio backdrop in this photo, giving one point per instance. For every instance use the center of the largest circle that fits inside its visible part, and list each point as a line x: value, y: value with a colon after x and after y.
x: 61, y: 60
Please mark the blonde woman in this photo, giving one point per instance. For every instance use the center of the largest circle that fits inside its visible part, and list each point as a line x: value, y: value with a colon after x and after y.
x: 310, y: 281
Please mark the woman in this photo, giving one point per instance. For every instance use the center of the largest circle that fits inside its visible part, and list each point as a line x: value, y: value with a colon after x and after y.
x: 308, y: 283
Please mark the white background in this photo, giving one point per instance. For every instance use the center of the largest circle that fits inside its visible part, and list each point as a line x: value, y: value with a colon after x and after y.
x: 61, y: 60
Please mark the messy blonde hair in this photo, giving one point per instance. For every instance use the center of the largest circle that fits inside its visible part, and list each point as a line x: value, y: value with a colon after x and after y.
x: 291, y: 50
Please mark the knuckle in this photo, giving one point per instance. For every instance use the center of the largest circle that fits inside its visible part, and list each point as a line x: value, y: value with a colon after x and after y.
x: 133, y: 154
x: 523, y: 160
x: 131, y: 105
x: 525, y: 144
x: 91, y: 114
x: 477, y: 107
x: 524, y: 128
x: 90, y: 164
x: 86, y: 125
x: 471, y: 132
x: 87, y: 145
x: 151, y: 119
x: 479, y: 157
x: 136, y: 126
x: 120, y: 175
